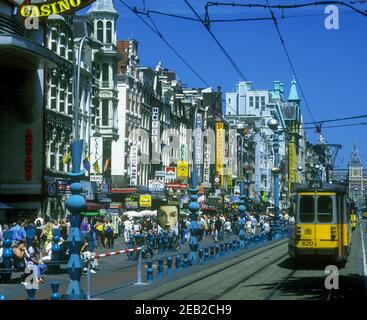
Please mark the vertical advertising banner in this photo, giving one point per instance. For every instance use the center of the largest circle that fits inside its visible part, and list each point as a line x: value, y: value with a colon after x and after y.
x: 198, y: 145
x: 206, y: 174
x: 134, y: 165
x: 182, y: 169
x: 155, y: 136
x: 219, y: 152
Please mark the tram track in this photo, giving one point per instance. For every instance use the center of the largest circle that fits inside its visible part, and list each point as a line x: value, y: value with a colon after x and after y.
x: 253, y: 257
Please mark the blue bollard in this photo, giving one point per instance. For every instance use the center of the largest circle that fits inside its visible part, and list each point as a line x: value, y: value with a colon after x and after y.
x: 206, y: 254
x: 185, y: 260
x: 169, y: 266
x: 226, y: 248
x: 234, y: 245
x: 212, y: 252
x: 55, y: 295
x: 178, y: 263
x: 238, y: 245
x: 160, y: 244
x: 221, y: 249
x: 230, y: 247
x: 160, y: 268
x: 7, y: 254
x: 201, y: 254
x: 150, y: 271
x: 217, y: 251
x: 31, y: 293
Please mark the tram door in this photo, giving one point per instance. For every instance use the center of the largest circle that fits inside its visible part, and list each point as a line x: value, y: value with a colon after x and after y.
x: 318, y: 220
x: 306, y: 229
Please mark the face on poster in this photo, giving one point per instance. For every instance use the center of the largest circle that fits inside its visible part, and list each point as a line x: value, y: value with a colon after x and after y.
x: 167, y: 217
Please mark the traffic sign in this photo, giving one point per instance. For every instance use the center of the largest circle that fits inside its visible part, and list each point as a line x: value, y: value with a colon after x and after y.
x: 51, y: 189
x: 96, y: 178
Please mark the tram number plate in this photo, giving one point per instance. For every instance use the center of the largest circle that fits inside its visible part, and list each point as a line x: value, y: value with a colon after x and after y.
x: 307, y: 243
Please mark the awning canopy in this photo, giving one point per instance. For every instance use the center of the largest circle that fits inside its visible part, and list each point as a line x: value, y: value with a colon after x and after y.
x: 4, y: 206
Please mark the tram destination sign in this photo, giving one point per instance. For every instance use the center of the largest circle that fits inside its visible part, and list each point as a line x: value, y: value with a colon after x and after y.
x: 47, y: 8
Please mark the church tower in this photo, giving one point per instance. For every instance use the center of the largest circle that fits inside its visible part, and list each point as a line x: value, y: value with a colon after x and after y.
x: 355, y: 175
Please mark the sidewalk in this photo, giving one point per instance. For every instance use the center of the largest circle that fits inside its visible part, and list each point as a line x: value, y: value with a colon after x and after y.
x: 113, y: 271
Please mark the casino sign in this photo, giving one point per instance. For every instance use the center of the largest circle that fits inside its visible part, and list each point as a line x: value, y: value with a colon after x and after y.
x: 44, y: 9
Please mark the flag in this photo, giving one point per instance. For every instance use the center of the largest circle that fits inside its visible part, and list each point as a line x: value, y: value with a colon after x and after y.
x: 106, y: 164
x: 86, y: 163
x: 96, y: 167
x: 67, y: 157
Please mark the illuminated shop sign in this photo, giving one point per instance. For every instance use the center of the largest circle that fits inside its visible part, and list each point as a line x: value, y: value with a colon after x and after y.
x: 28, y: 9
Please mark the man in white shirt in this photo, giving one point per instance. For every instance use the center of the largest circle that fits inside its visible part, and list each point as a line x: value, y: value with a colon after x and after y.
x: 127, y: 230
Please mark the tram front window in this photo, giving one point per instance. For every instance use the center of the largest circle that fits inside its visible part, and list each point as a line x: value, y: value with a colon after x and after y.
x: 325, y: 209
x: 306, y: 209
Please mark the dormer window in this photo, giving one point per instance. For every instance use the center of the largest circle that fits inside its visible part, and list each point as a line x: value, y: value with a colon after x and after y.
x: 109, y: 32
x: 100, y: 30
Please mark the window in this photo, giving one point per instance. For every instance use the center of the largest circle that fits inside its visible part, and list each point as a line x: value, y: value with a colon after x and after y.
x: 262, y: 103
x: 257, y: 102
x: 105, y: 72
x: 306, y: 209
x: 251, y: 102
x: 325, y: 209
x: 109, y: 32
x: 100, y: 31
x: 105, y: 113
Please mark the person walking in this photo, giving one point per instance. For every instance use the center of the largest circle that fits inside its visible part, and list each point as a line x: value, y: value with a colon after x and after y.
x: 228, y: 227
x: 110, y: 233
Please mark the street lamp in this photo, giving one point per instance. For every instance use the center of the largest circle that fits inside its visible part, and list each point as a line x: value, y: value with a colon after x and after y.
x: 273, y: 125
x: 76, y: 203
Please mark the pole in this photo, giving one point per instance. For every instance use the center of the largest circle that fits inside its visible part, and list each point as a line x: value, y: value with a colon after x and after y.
x: 276, y: 179
x: 76, y: 89
x: 139, y: 268
x: 88, y: 279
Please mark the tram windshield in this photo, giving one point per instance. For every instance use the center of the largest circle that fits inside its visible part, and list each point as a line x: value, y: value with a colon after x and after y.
x: 307, y: 209
x: 325, y: 209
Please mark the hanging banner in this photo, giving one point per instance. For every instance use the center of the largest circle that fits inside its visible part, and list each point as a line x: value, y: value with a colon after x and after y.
x: 206, y: 173
x: 182, y: 169
x: 219, y: 152
x: 155, y: 136
x: 198, y: 144
x: 133, y: 165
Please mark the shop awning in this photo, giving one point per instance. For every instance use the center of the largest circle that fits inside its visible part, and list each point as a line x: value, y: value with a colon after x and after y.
x: 4, y: 206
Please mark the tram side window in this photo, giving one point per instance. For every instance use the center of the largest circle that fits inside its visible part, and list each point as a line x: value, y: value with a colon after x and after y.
x: 325, y: 209
x: 306, y: 209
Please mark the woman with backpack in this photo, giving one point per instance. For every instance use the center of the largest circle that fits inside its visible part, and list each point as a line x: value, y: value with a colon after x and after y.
x: 99, y: 227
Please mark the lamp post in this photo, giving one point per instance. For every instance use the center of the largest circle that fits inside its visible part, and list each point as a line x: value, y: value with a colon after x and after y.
x: 76, y: 203
x: 273, y: 125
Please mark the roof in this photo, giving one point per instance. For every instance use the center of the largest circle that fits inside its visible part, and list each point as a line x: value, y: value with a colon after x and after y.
x: 355, y: 160
x: 107, y: 6
x: 293, y: 94
x: 326, y: 187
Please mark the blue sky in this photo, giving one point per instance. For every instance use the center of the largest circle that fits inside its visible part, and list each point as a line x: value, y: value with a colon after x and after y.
x: 330, y: 64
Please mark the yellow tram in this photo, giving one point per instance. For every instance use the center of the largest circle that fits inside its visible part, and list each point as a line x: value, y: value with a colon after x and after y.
x: 364, y: 213
x: 353, y: 214
x: 322, y: 221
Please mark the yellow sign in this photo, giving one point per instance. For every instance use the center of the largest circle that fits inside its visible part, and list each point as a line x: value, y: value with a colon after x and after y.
x: 145, y: 200
x: 182, y: 169
x: 229, y: 178
x: 42, y: 9
x: 219, y: 151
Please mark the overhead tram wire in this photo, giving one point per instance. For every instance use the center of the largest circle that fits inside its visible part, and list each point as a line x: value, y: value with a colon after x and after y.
x: 149, y: 12
x: 159, y: 34
x: 279, y: 6
x: 289, y: 59
x: 339, y: 126
x: 233, y: 63
x: 338, y: 119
